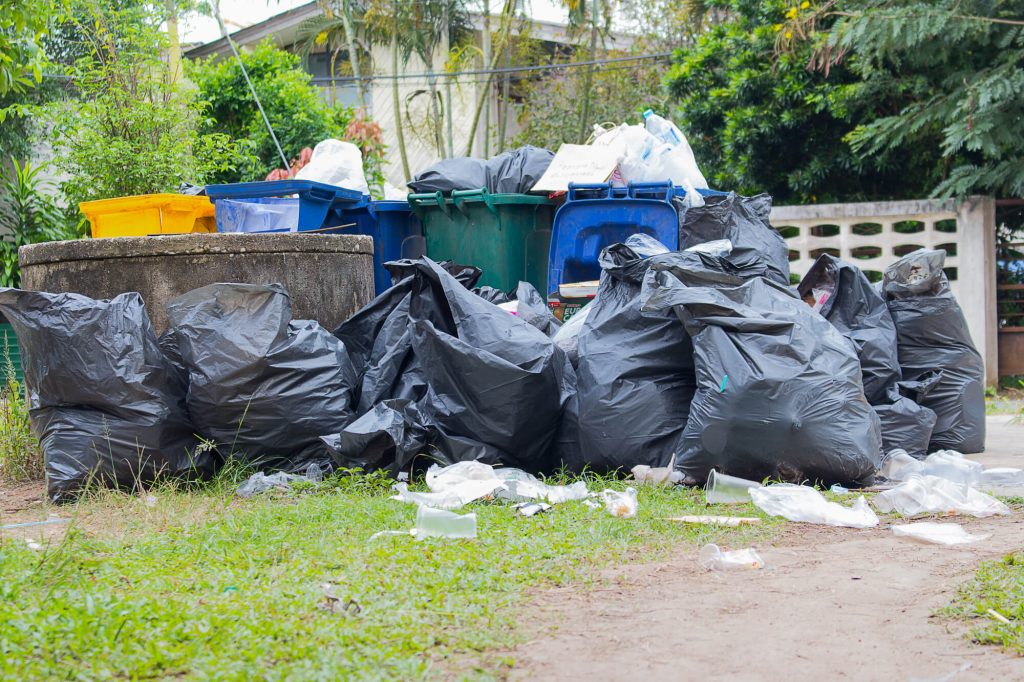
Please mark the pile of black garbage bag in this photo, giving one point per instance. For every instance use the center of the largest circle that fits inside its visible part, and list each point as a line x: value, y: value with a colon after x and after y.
x: 702, y: 359
x: 512, y: 172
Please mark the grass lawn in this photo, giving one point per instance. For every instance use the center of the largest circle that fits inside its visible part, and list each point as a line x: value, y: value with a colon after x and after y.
x: 997, y: 586
x: 205, y: 585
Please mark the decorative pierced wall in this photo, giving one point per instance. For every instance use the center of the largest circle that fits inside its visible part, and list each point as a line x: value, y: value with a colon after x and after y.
x: 875, y: 234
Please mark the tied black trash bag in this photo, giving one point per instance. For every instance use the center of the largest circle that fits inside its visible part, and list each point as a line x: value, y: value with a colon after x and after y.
x: 844, y: 296
x: 778, y: 387
x: 513, y: 172
x: 932, y: 334
x: 905, y: 423
x: 635, y: 375
x: 445, y: 373
x: 533, y: 309
x: 741, y: 220
x: 263, y: 387
x: 104, y: 402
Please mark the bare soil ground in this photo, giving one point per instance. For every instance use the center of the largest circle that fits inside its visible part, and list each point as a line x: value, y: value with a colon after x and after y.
x: 832, y: 604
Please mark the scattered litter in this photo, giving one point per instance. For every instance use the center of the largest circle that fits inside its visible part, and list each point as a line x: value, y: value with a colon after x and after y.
x: 714, y: 559
x: 593, y: 504
x: 521, y: 486
x: 437, y: 523
x: 335, y: 604
x: 667, y: 475
x: 724, y: 489
x: 458, y: 484
x: 1000, y: 617
x: 261, y: 483
x: 805, y: 504
x: 621, y: 504
x: 937, y: 533
x: 32, y: 544
x: 314, y: 473
x: 382, y: 533
x: 1003, y: 481
x: 453, y: 498
x: 149, y: 500
x: 728, y: 521
x: 933, y: 495
x: 29, y: 524
x: 838, y: 489
x: 532, y: 508
x: 899, y: 466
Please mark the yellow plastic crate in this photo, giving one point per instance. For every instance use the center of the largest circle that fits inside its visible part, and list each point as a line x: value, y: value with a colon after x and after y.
x: 148, y: 214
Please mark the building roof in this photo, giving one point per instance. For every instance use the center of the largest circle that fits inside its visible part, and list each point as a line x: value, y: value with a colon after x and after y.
x: 284, y: 28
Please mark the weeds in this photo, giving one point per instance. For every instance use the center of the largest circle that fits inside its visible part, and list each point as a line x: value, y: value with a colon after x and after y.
x: 21, y: 458
x: 993, y: 601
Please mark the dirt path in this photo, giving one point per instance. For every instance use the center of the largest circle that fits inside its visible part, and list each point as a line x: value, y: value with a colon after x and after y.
x: 833, y: 604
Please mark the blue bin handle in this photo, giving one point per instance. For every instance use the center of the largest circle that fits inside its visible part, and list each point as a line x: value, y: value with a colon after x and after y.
x: 459, y: 197
x: 418, y: 201
x: 651, y: 190
x: 589, y: 187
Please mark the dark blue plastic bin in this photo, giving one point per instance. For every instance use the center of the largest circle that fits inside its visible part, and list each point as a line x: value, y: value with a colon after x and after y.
x: 396, y: 231
x: 316, y: 200
x: 596, y: 216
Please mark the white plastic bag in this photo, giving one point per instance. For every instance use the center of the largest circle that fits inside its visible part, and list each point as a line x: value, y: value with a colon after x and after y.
x: 620, y: 504
x: 714, y: 559
x: 934, y: 495
x: 805, y: 504
x: 336, y: 163
x: 937, y: 533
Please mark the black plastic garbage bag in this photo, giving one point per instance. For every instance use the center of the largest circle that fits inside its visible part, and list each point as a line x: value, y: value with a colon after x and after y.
x: 513, y: 172
x: 105, y: 403
x: 478, y: 382
x: 932, y: 334
x: 905, y: 423
x: 263, y: 387
x: 533, y: 309
x: 744, y: 221
x: 844, y: 296
x: 778, y: 388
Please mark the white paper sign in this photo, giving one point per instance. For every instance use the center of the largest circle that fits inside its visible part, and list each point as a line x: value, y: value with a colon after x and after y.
x: 577, y: 163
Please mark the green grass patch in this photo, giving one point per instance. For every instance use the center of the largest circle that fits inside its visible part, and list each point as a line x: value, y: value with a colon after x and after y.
x: 997, y: 589
x: 21, y: 458
x: 203, y: 585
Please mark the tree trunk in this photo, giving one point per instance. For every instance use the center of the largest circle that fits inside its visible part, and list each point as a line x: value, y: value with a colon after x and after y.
x: 397, y: 105
x: 503, y: 124
x: 353, y: 54
x: 588, y: 81
x: 486, y: 39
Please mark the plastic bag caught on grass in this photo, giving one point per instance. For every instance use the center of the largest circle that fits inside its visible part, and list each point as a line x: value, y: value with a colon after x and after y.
x: 620, y: 504
x: 261, y: 483
x: 450, y: 498
x: 805, y: 504
x: 933, y: 495
x: 521, y: 486
x: 714, y: 559
x: 937, y: 533
x: 437, y: 523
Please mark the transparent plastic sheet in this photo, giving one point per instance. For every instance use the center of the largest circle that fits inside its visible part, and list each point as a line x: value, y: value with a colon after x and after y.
x: 949, y: 534
x: 105, y: 402
x: 933, y: 495
x: 438, y: 523
x: 947, y: 464
x: 806, y: 505
x: 714, y: 559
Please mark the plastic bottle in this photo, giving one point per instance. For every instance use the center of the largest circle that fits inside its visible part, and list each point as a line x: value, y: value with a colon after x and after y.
x: 677, y: 158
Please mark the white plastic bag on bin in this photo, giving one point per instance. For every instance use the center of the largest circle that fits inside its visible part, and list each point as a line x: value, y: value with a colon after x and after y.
x: 336, y: 163
x: 805, y: 504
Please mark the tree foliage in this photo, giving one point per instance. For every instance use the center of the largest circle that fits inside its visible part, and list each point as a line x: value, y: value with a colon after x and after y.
x: 23, y: 24
x: 129, y: 129
x: 962, y: 64
x: 299, y: 116
x: 760, y: 120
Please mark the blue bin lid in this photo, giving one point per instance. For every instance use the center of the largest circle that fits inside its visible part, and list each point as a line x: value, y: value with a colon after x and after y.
x: 276, y: 188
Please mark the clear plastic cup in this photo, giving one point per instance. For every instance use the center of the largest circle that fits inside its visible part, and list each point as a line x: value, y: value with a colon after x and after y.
x: 437, y: 523
x: 723, y: 489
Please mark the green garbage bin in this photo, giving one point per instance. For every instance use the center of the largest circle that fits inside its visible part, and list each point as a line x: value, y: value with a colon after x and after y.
x: 10, y: 349
x: 507, y: 236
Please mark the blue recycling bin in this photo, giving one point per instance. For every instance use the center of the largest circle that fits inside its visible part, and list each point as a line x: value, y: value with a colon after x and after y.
x: 598, y: 215
x: 397, y: 233
x: 270, y: 207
